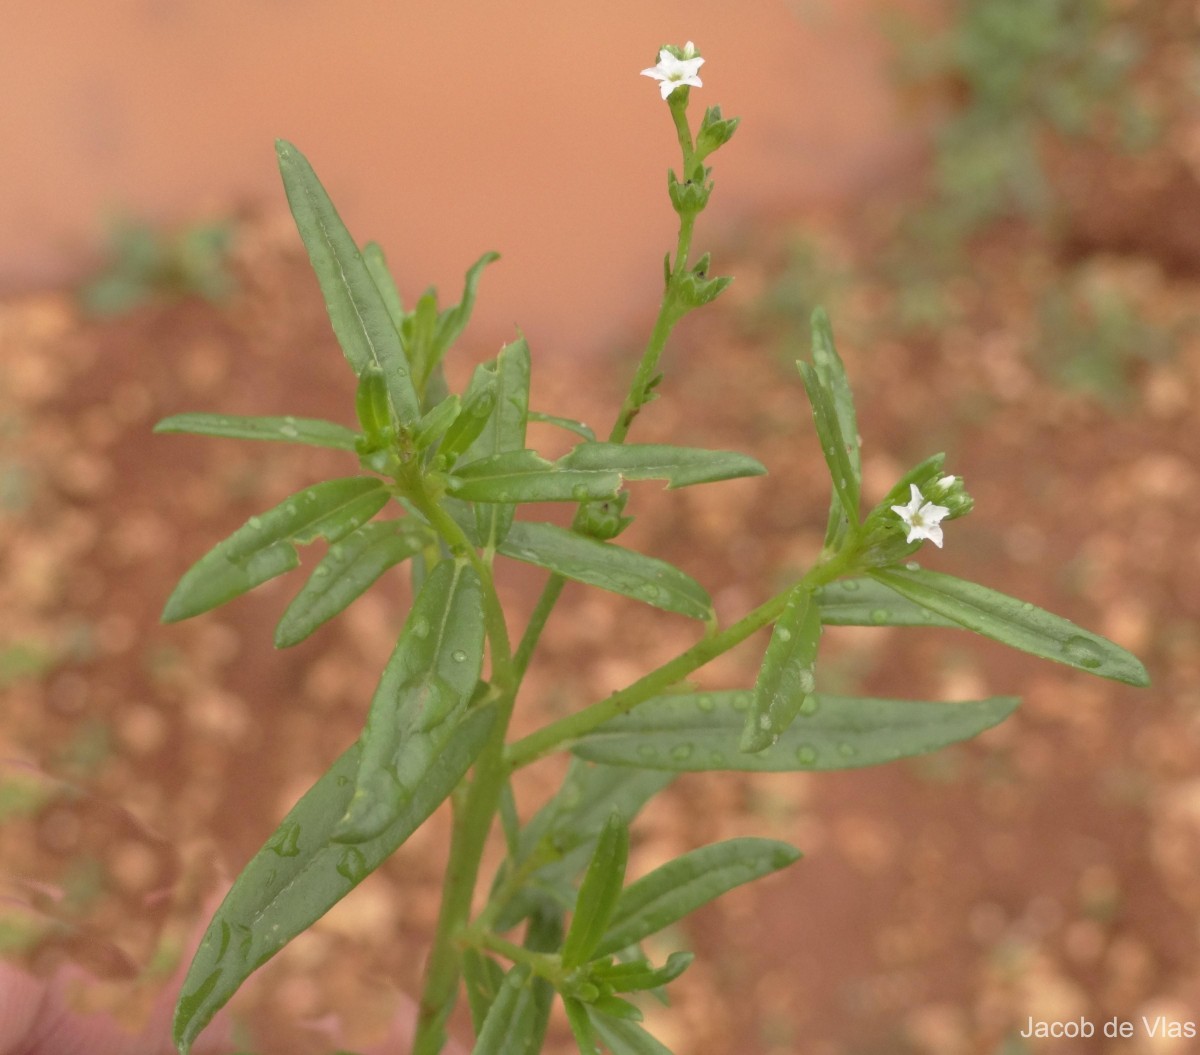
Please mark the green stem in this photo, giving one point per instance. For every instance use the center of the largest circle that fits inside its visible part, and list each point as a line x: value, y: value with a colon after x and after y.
x: 565, y: 731
x: 473, y: 820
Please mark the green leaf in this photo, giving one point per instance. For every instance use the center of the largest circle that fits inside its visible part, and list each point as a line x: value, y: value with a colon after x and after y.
x: 679, y: 466
x: 833, y: 445
x: 435, y: 422
x: 608, y: 566
x: 310, y: 431
x: 1018, y: 624
x: 624, y: 1037
x: 503, y: 432
x: 581, y: 1026
x: 482, y: 978
x: 558, y: 840
x: 865, y: 602
x: 598, y: 893
x: 478, y: 402
x: 832, y: 375
x: 265, y: 546
x: 525, y: 476
x: 347, y: 571
x: 786, y: 678
x: 506, y: 1029
x: 422, y: 694
x: 359, y: 315
x: 377, y: 265
x: 302, y: 872
x: 679, y: 887
x: 453, y: 321
x: 692, y: 732
x: 571, y: 425
x: 639, y: 974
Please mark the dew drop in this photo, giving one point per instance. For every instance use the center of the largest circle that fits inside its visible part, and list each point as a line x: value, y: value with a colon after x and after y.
x: 845, y: 750
x: 880, y: 615
x: 805, y: 681
x: 806, y: 755
x: 290, y: 431
x: 291, y: 508
x: 320, y: 571
x: 287, y: 842
x: 1027, y: 607
x: 850, y: 585
x: 255, y: 523
x: 458, y: 655
x: 682, y: 752
x: 741, y: 701
x: 811, y: 704
x: 352, y: 865
x: 783, y: 633
x: 912, y: 565
x: 1084, y: 652
x: 647, y: 751
x: 421, y: 627
x: 706, y: 703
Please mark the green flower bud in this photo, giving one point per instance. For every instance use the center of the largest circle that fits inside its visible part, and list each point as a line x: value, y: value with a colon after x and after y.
x: 689, y: 197
x: 603, y: 520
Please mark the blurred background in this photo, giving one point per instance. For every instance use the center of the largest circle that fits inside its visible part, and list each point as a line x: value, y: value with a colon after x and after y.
x: 998, y: 203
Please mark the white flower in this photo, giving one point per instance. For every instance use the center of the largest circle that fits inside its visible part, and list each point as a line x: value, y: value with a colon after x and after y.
x: 923, y: 519
x: 674, y: 71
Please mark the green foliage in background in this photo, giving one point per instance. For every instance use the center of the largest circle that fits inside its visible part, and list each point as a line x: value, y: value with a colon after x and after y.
x: 146, y: 263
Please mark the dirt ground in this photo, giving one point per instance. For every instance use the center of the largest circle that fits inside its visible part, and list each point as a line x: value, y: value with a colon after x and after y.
x: 1046, y: 870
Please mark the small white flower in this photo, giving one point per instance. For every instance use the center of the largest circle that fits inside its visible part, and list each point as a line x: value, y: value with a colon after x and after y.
x: 673, y: 71
x: 923, y: 519
x: 945, y: 482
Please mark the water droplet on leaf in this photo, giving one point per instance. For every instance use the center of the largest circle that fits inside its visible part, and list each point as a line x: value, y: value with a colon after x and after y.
x: 458, y: 655
x: 1083, y: 651
x: 287, y: 842
x: 352, y: 865
x: 806, y: 755
x: 880, y: 615
x: 682, y: 752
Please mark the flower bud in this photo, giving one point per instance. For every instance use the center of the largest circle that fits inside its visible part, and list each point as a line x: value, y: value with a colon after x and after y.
x: 603, y: 520
x: 689, y: 197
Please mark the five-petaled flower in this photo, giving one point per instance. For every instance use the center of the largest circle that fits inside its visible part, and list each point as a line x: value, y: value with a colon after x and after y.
x: 676, y: 70
x: 923, y: 519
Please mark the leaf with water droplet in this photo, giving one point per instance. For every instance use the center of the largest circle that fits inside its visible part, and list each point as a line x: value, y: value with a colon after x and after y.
x: 679, y: 466
x: 1015, y: 623
x: 786, y: 676
x: 421, y: 696
x: 308, y: 431
x: 265, y: 546
x: 831, y: 732
x: 681, y: 886
x: 257, y: 919
x: 348, y: 570
x: 608, y: 566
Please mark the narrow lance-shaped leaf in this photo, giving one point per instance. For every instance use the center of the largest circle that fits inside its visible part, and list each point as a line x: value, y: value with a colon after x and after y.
x: 309, y: 431
x: 679, y: 887
x: 453, y: 320
x: 265, y: 546
x: 348, y: 571
x: 302, y: 872
x: 424, y: 690
x: 598, y: 893
x: 679, y: 466
x: 563, y: 832
x: 504, y: 431
x: 570, y: 424
x: 832, y: 375
x: 608, y: 566
x: 639, y: 974
x: 786, y: 678
x: 690, y: 732
x: 1018, y: 624
x: 525, y: 476
x: 623, y: 1037
x: 359, y: 315
x: 507, y: 1026
x: 865, y: 602
x: 478, y: 403
x: 581, y: 1026
x: 833, y: 444
x: 377, y: 266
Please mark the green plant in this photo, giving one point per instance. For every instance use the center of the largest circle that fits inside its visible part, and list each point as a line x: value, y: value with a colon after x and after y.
x: 146, y: 263
x: 454, y: 468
